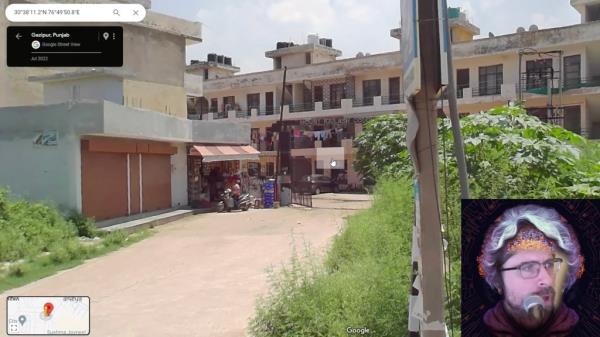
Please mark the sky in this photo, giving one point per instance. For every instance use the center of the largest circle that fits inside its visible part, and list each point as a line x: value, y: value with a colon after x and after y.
x: 245, y: 29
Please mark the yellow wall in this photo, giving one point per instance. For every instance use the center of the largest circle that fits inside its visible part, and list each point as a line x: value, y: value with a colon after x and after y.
x: 461, y: 35
x: 167, y: 99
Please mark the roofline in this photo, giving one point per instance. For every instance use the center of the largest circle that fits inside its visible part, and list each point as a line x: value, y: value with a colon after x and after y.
x: 302, y: 48
x: 80, y: 74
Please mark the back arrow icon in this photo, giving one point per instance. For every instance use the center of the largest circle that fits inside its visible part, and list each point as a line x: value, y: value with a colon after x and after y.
x: 18, y: 36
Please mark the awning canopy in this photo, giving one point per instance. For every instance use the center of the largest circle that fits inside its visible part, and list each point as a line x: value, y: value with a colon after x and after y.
x: 211, y: 153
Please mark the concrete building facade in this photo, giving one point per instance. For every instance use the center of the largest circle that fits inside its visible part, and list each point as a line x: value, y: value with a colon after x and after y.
x: 109, y: 142
x: 558, y: 79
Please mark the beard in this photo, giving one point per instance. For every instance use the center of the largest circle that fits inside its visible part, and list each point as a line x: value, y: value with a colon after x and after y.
x: 527, y: 321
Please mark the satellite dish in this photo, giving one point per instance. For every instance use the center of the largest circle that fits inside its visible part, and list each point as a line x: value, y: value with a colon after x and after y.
x: 533, y: 28
x: 491, y: 35
x: 360, y: 54
x: 520, y: 30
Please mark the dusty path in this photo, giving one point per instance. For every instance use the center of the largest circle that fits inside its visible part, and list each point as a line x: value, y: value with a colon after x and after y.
x: 198, y: 276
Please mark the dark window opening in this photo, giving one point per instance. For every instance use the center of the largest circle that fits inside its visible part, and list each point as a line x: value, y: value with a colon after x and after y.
x: 490, y: 80
x: 462, y: 81
x: 538, y: 73
x: 269, y: 103
x: 371, y: 88
x: 572, y: 71
x: 394, y: 90
x: 308, y: 58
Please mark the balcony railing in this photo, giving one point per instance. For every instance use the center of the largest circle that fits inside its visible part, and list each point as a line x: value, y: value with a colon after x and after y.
x: 242, y: 114
x: 486, y: 91
x: 194, y: 116
x: 332, y: 104
x: 301, y: 107
x: 220, y: 115
x: 394, y: 99
x: 584, y: 82
x: 268, y: 111
x: 365, y: 101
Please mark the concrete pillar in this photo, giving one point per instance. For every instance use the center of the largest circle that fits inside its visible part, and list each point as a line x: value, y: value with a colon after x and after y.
x: 231, y: 114
x: 211, y: 116
x: 253, y: 112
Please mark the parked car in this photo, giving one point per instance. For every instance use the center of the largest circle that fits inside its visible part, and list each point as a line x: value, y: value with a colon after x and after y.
x: 320, y: 183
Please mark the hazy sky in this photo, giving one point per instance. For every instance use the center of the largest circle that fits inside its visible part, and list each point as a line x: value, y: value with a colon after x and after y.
x: 245, y: 29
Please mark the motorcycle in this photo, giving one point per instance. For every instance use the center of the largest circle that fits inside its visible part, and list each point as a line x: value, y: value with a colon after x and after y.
x: 227, y: 202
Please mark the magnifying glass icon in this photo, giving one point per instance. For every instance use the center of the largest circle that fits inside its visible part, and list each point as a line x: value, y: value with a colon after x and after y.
x: 116, y: 12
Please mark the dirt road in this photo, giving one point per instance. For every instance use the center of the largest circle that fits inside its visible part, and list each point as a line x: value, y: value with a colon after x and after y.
x: 198, y: 276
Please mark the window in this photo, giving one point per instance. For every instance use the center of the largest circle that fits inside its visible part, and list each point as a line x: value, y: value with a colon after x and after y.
x: 277, y: 63
x: 490, y: 80
x: 538, y: 72
x: 593, y: 13
x: 308, y: 58
x: 214, y: 105
x: 318, y: 93
x: 336, y: 93
x: 206, y: 74
x: 228, y: 103
x: 462, y: 81
x: 269, y: 102
x: 394, y: 90
x: 572, y: 71
x: 253, y: 102
x: 371, y: 88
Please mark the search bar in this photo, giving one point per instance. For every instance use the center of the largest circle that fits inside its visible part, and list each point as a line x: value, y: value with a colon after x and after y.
x: 75, y: 12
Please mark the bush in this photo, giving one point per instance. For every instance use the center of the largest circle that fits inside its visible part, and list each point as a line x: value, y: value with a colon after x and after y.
x: 357, y: 286
x: 115, y: 238
x: 28, y: 229
x: 85, y: 226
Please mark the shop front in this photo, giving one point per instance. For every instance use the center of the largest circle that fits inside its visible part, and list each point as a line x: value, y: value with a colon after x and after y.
x: 213, y: 168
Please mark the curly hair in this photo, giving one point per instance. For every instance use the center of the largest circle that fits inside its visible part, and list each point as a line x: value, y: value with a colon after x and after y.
x: 546, y: 220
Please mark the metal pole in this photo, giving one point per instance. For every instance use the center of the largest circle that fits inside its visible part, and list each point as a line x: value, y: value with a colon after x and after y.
x: 519, y: 77
x: 278, y: 171
x: 451, y: 90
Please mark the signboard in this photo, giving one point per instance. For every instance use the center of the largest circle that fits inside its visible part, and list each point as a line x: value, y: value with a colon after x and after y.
x: 409, y: 47
x: 46, y: 138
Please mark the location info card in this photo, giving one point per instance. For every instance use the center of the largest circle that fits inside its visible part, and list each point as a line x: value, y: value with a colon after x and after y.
x: 49, y: 46
x: 55, y: 315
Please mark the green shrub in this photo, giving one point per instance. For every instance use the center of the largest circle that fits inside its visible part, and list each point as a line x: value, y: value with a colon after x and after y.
x: 28, y: 229
x: 60, y: 255
x: 115, y: 238
x: 85, y: 226
x: 359, y: 285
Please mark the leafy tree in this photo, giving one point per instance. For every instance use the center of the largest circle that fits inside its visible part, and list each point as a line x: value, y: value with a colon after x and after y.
x: 509, y: 155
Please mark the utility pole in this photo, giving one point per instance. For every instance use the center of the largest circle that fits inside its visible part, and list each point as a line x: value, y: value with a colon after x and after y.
x: 278, y: 171
x: 422, y: 77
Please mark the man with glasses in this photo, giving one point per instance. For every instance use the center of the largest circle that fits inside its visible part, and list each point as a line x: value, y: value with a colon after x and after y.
x: 530, y: 256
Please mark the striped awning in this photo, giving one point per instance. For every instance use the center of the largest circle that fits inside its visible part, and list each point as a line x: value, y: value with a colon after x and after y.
x: 212, y: 153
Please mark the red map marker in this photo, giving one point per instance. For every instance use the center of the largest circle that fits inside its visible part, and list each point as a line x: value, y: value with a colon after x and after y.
x: 48, y: 307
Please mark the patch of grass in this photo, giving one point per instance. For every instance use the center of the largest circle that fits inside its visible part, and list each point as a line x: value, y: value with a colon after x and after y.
x: 66, y: 256
x: 364, y: 281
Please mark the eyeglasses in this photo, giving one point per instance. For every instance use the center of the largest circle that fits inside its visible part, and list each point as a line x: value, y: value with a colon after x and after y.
x: 531, y: 269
